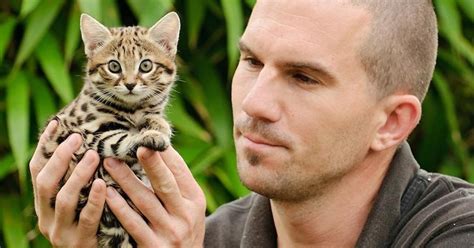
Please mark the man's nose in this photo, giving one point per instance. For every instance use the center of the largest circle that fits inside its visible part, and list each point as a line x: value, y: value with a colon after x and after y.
x: 264, y: 96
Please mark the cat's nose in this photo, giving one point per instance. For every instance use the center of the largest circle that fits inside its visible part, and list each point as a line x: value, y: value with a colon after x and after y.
x: 130, y: 86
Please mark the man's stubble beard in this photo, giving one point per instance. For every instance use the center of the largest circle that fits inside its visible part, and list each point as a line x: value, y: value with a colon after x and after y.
x: 290, y: 183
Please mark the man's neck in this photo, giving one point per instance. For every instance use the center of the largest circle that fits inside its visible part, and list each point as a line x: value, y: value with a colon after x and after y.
x: 337, y: 217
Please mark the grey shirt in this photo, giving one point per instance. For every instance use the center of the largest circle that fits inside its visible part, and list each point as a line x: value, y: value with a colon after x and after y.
x: 413, y: 208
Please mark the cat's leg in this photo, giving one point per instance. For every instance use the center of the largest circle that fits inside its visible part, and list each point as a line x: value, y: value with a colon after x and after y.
x: 123, y: 144
x: 156, y: 133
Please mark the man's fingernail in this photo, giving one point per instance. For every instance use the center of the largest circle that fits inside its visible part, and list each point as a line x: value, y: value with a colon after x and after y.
x: 88, y: 158
x: 111, y: 192
x: 51, y: 126
x: 113, y: 163
x: 73, y: 140
x: 146, y: 153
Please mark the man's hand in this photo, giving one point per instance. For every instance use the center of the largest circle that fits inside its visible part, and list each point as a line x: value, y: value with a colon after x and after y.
x: 174, y: 207
x: 58, y: 224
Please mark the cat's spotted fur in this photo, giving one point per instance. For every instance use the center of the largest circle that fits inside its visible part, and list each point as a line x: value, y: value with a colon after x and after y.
x: 130, y: 72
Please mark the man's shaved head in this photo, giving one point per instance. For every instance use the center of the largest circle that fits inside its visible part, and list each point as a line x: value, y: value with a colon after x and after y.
x: 399, y: 52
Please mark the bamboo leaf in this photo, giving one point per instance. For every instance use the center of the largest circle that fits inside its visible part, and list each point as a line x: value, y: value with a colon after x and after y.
x: 195, y: 12
x: 110, y: 13
x: 458, y: 145
x: 12, y: 222
x: 211, y: 203
x: 72, y: 34
x: 468, y: 7
x: 36, y: 26
x: 43, y: 101
x: 27, y: 6
x: 208, y: 158
x: 450, y: 27
x: 6, y: 29
x: 181, y: 120
x: 52, y: 63
x: 216, y: 101
x: 460, y: 67
x: 155, y: 9
x: 18, y: 120
x: 189, y: 147
x: 7, y: 165
x: 449, y: 17
x: 432, y: 147
x: 251, y: 3
x: 91, y: 7
x: 234, y: 23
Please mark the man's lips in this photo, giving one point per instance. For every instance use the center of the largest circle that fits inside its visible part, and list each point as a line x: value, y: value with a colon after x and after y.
x: 257, y: 139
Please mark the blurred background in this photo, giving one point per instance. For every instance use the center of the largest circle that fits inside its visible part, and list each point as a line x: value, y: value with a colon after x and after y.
x: 41, y: 69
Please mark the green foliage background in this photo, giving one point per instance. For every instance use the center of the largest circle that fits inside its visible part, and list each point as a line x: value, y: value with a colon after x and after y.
x: 41, y: 64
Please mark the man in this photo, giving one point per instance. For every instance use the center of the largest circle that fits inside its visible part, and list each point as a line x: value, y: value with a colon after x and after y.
x: 324, y: 97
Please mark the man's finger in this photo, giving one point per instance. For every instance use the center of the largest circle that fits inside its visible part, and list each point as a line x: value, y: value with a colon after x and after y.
x: 68, y: 196
x: 47, y: 181
x: 90, y: 215
x: 130, y: 220
x: 184, y: 178
x: 143, y: 197
x: 161, y: 178
x: 37, y: 162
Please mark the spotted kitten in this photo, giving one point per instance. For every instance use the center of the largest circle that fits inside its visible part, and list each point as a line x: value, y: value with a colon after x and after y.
x: 130, y: 72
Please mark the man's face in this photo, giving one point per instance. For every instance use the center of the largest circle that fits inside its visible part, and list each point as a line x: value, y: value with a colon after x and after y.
x: 302, y: 104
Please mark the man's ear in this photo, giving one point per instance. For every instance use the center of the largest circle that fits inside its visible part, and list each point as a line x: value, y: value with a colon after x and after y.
x: 400, y: 115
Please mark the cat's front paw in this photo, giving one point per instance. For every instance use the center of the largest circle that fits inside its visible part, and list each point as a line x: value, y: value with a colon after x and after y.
x: 154, y: 140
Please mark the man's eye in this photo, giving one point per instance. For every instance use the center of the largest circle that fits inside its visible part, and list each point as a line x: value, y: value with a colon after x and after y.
x: 253, y: 62
x: 302, y: 78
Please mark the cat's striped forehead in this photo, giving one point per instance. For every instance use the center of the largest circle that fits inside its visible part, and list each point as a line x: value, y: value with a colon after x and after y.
x: 134, y: 31
x: 130, y: 45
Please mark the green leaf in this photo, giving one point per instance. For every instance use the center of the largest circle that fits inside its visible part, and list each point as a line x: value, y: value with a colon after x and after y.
x: 7, y: 165
x: 37, y: 25
x: 448, y: 15
x: 216, y: 101
x: 433, y: 147
x: 12, y: 222
x: 27, y: 6
x: 155, y: 9
x: 182, y: 121
x: 234, y: 23
x: 195, y: 13
x: 450, y: 26
x: 458, y: 145
x: 52, y: 63
x: 18, y: 120
x: 91, y: 7
x: 6, y: 29
x: 468, y: 7
x: 251, y: 3
x: 72, y: 33
x: 43, y: 101
x: 110, y: 13
x: 208, y: 158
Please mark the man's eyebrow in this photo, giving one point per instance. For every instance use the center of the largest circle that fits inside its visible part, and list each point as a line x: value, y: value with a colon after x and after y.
x: 312, y: 66
x: 244, y: 48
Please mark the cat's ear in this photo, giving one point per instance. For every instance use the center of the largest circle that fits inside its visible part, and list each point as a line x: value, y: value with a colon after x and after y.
x: 166, y: 32
x: 94, y: 34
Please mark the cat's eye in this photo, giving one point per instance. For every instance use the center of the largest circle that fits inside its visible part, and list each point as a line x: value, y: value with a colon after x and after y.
x: 114, y: 66
x: 146, y: 66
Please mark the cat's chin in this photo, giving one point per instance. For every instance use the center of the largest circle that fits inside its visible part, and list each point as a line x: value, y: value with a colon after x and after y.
x: 131, y: 99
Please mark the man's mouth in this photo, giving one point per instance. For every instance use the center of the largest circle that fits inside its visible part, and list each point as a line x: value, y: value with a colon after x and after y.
x: 257, y: 139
